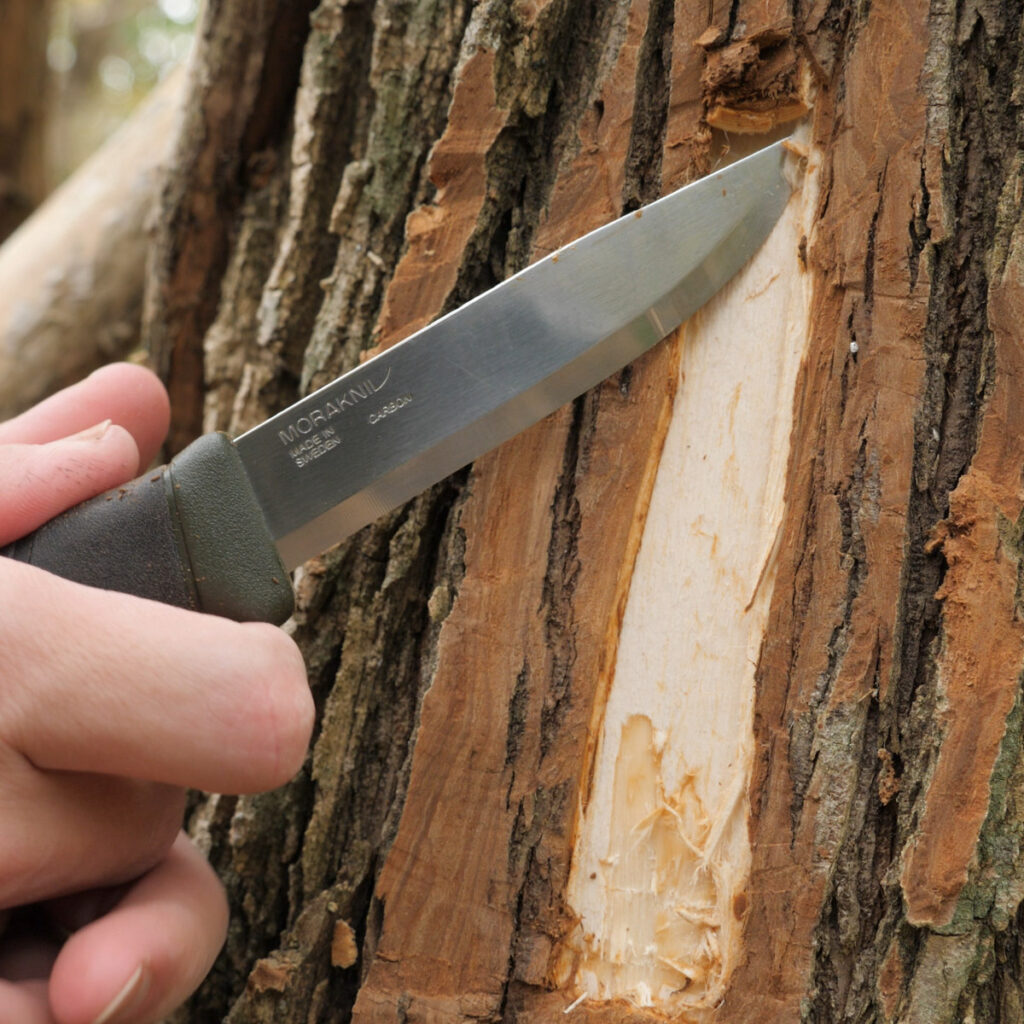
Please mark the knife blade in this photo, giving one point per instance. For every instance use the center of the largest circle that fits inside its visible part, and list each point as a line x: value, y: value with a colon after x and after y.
x: 219, y: 528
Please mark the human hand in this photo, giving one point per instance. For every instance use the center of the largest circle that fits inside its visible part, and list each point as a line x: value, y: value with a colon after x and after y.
x: 109, y: 707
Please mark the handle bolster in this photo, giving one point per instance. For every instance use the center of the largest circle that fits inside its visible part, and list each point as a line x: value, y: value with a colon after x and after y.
x: 223, y: 535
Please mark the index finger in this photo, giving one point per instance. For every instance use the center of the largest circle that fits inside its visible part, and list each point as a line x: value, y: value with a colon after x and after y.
x: 97, y: 681
x: 131, y: 396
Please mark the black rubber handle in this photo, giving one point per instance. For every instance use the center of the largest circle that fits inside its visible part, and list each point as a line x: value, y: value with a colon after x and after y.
x: 189, y: 534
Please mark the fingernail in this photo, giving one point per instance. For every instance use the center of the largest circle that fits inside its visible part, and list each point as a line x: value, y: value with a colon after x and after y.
x: 95, y: 433
x: 128, y: 999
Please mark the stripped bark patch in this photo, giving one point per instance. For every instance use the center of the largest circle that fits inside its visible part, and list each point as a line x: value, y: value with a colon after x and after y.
x: 662, y: 851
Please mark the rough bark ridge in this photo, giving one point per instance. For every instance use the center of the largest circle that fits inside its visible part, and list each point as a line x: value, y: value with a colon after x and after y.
x: 888, y: 697
x: 350, y: 172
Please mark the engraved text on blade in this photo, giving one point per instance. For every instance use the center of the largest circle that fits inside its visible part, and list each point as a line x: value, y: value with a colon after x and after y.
x: 317, y: 419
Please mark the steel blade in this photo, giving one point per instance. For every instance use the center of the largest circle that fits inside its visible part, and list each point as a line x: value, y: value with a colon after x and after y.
x: 390, y: 428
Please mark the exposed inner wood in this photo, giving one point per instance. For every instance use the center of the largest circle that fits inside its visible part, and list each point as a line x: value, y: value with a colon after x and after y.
x: 662, y: 853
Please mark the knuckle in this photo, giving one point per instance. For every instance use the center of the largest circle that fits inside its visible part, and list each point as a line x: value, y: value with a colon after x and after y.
x: 166, y: 816
x: 156, y: 819
x: 19, y: 871
x: 98, y: 832
x: 282, y: 717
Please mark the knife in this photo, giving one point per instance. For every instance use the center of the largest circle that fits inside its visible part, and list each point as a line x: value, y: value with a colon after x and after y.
x: 219, y: 527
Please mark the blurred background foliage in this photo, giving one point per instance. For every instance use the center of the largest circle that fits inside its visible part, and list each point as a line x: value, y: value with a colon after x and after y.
x: 104, y: 56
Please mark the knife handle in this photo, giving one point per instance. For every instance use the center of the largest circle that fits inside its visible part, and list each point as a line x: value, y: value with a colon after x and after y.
x: 190, y: 534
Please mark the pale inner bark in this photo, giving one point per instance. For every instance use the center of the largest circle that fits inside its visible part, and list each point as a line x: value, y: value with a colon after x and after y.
x: 662, y: 854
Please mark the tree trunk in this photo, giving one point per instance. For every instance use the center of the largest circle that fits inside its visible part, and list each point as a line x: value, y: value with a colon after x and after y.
x: 700, y: 698
x: 24, y: 31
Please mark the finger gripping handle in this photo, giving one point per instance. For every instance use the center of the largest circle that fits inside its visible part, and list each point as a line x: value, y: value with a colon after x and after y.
x: 189, y: 534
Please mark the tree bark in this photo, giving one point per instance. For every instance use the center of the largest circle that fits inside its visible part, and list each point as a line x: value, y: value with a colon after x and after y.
x: 24, y: 32
x: 700, y: 698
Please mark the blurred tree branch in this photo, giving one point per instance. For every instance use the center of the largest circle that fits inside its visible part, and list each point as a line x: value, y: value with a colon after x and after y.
x: 71, y: 280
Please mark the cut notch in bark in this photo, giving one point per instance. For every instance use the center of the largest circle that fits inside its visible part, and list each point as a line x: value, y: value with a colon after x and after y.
x: 662, y: 853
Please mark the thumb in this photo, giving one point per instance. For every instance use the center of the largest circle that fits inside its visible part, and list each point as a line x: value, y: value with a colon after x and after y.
x: 39, y: 481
